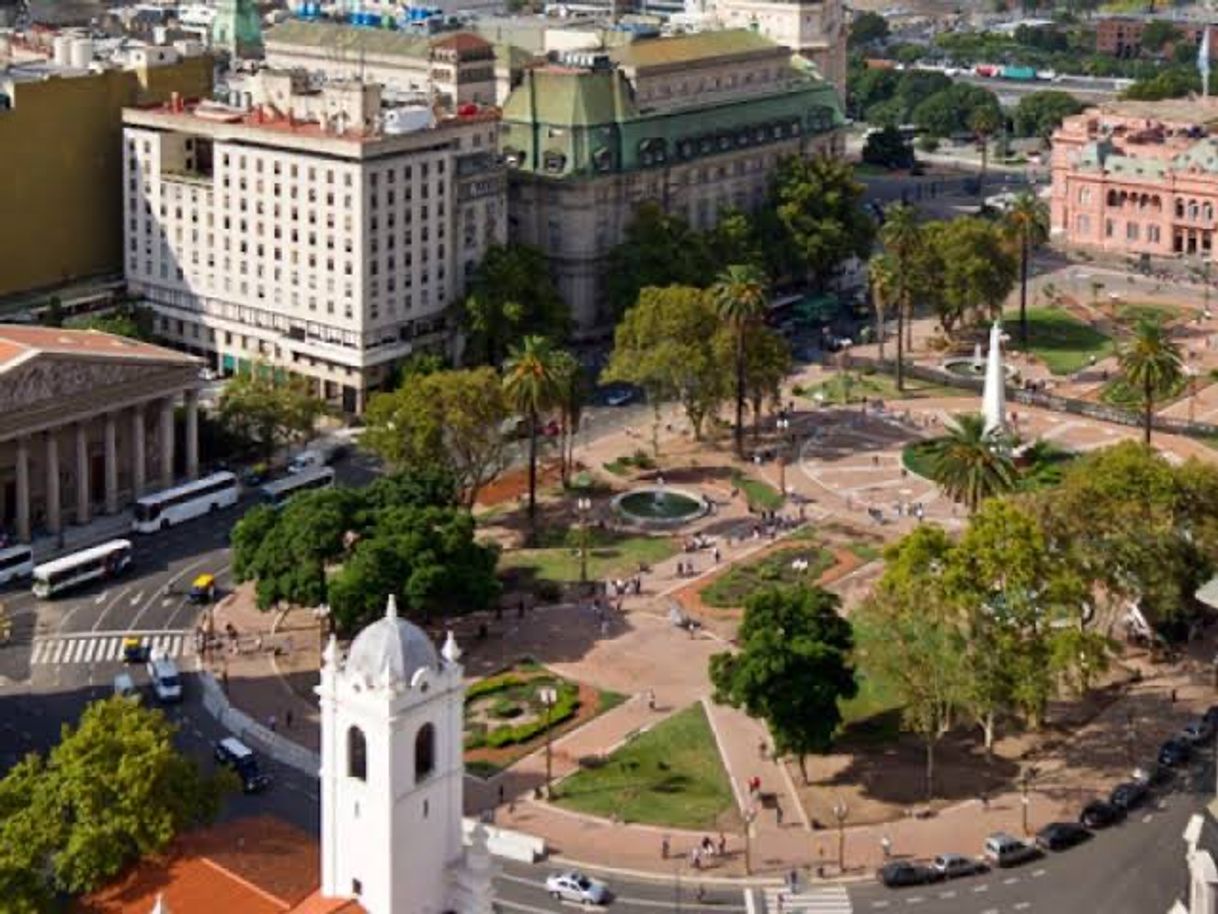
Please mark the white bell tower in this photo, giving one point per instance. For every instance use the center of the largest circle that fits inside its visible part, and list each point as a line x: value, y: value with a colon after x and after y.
x: 391, y: 769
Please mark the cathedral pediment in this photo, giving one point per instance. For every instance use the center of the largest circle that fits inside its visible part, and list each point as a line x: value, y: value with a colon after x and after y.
x: 44, y: 379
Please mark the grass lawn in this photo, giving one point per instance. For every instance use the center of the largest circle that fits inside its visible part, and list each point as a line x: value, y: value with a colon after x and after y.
x: 868, y: 552
x: 919, y: 457
x: 1041, y: 468
x: 1132, y: 312
x: 1118, y: 393
x: 609, y: 555
x: 1063, y: 342
x: 671, y: 775
x: 732, y: 587
x: 760, y: 495
x: 838, y: 389
x: 874, y: 713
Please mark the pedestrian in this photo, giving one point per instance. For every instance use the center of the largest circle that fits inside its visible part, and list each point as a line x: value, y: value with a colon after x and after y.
x: 780, y: 902
x: 287, y: 718
x: 778, y: 813
x: 985, y: 801
x: 1173, y: 696
x: 761, y: 748
x: 651, y: 699
x: 717, y: 555
x: 500, y: 794
x: 271, y: 723
x: 722, y: 844
x: 793, y: 881
x: 665, y: 847
x: 520, y: 608
x: 886, y: 846
x: 695, y: 859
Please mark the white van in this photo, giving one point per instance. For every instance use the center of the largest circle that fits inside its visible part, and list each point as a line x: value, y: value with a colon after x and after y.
x: 166, y: 683
x: 306, y: 460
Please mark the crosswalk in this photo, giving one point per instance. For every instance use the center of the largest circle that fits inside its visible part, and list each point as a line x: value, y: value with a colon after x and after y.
x: 106, y: 647
x: 829, y: 899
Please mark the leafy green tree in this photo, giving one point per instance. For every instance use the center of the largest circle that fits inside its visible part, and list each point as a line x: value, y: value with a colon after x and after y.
x: 974, y: 269
x: 113, y: 790
x: 908, y: 635
x: 530, y: 382
x: 984, y: 122
x: 888, y: 148
x: 448, y: 418
x: 1040, y: 113
x: 741, y: 300
x: 915, y: 86
x: 868, y: 87
x: 570, y: 395
x: 971, y: 464
x: 792, y: 669
x: 883, y: 279
x: 658, y: 249
x: 1173, y: 82
x: 512, y: 296
x: 1157, y: 34
x: 950, y: 112
x: 867, y: 28
x: 664, y: 345
x: 425, y: 556
x: 135, y: 322
x: 818, y: 205
x: 767, y: 362
x: 270, y: 412
x: 1027, y: 221
x: 1151, y: 363
x: 733, y: 240
x: 904, y: 241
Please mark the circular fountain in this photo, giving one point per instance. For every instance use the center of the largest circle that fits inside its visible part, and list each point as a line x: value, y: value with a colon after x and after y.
x: 659, y: 506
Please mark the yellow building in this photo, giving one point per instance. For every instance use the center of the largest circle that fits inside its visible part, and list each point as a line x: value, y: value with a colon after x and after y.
x: 61, y: 164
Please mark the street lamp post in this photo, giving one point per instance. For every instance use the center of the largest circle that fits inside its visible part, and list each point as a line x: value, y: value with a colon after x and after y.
x: 548, y: 695
x: 1192, y: 389
x: 784, y: 424
x: 1025, y: 784
x: 583, y: 506
x: 840, y: 811
x: 322, y: 614
x: 749, y: 818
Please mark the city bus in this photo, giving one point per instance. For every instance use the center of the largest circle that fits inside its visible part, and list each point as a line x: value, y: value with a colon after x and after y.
x: 16, y: 562
x: 277, y: 493
x: 105, y: 561
x: 185, y: 502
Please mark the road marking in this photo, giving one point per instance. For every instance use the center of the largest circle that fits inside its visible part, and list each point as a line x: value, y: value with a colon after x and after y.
x: 109, y: 607
x: 1010, y: 880
x: 1147, y: 817
x: 981, y: 888
x: 879, y: 904
x: 1022, y: 905
x: 101, y: 597
x: 1038, y: 873
x: 951, y: 894
x: 139, y: 595
x: 917, y: 899
x: 89, y: 648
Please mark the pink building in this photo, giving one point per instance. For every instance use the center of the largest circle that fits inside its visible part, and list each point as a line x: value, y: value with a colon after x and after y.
x: 1138, y: 178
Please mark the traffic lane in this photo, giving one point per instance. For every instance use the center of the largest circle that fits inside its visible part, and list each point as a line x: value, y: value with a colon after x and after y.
x: 1127, y: 869
x: 521, y: 887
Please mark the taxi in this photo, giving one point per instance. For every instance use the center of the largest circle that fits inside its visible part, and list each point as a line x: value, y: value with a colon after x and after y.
x: 203, y: 589
x: 135, y: 650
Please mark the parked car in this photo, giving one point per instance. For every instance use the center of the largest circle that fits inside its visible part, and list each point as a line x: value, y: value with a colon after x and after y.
x: 953, y: 866
x: 241, y: 759
x: 1199, y: 731
x: 575, y: 886
x: 1002, y: 849
x: 1100, y: 814
x: 618, y: 394
x: 902, y: 873
x: 1174, y: 753
x: 166, y: 683
x: 1059, y: 836
x: 1129, y: 795
x: 1211, y: 715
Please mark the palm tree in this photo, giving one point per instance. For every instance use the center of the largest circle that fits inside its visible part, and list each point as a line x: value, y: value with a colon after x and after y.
x: 971, y: 464
x: 984, y: 122
x: 530, y: 382
x: 739, y: 294
x: 1151, y: 362
x: 904, y: 241
x: 882, y: 272
x: 1028, y: 222
x: 569, y: 398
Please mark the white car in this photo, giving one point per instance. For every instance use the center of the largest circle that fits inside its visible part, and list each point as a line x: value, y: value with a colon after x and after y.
x: 166, y: 683
x: 575, y: 886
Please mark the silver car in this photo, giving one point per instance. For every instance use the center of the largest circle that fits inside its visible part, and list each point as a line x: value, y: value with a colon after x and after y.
x: 575, y: 886
x: 956, y: 865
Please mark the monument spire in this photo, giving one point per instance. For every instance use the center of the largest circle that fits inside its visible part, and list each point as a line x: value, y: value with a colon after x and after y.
x: 994, y: 395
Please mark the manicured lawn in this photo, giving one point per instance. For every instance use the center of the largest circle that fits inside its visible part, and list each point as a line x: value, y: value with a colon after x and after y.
x: 851, y: 388
x: 874, y: 713
x: 919, y: 457
x: 1118, y: 393
x: 1041, y: 468
x: 609, y: 555
x: 1133, y: 312
x: 733, y: 587
x: 868, y: 552
x: 671, y: 775
x: 760, y: 495
x: 1063, y: 342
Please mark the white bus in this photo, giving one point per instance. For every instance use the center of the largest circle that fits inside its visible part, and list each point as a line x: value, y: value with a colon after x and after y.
x: 104, y: 561
x: 277, y: 493
x: 184, y: 502
x: 16, y: 562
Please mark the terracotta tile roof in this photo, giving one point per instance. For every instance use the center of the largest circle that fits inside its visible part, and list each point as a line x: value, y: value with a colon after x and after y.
x: 463, y: 43
x: 17, y: 340
x: 256, y: 865
x: 317, y: 904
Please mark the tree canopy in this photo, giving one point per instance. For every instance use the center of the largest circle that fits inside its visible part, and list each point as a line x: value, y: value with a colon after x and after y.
x: 975, y: 269
x: 867, y: 27
x: 258, y: 407
x: 136, y: 322
x: 792, y: 668
x: 113, y: 790
x: 512, y: 296
x: 1040, y: 113
x: 954, y: 109
x: 658, y: 249
x: 888, y: 148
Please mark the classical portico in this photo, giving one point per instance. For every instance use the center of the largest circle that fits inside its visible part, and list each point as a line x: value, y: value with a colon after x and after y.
x: 87, y: 424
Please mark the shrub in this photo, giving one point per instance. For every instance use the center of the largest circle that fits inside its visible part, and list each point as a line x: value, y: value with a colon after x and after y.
x: 491, y: 685
x: 506, y: 708
x: 564, y: 709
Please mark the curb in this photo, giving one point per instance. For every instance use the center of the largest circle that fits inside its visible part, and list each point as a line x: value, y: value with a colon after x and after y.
x: 723, y: 881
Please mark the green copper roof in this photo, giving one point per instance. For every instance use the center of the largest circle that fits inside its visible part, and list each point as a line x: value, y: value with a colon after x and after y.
x: 349, y: 38
x: 237, y: 27
x: 571, y: 98
x: 679, y: 49
x: 1202, y: 155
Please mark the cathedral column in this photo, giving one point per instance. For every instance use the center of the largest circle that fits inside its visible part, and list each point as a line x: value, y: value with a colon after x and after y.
x: 54, y: 521
x: 167, y: 442
x: 82, y: 474
x: 23, y: 488
x: 111, y: 464
x: 192, y: 434
x: 137, y: 451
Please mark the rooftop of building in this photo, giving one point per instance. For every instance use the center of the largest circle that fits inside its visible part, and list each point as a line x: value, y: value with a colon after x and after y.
x: 686, y: 49
x: 257, y: 865
x: 20, y: 341
x: 339, y: 38
x: 1166, y: 111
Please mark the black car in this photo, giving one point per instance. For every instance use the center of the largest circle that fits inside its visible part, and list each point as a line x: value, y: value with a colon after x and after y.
x: 240, y: 758
x: 1058, y: 836
x: 1129, y: 795
x: 1174, y: 753
x: 902, y: 873
x: 1098, y: 814
x: 1211, y: 716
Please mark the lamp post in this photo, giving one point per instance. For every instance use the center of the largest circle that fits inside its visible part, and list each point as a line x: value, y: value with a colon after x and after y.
x: 322, y: 614
x: 1025, y: 784
x: 548, y: 695
x: 1191, y: 372
x: 749, y: 818
x: 583, y: 507
x: 840, y: 811
x: 784, y: 425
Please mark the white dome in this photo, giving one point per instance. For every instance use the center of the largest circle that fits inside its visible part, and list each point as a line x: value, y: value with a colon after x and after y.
x: 391, y: 646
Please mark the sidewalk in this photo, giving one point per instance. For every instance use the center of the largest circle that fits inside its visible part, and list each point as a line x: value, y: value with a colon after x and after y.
x: 47, y: 546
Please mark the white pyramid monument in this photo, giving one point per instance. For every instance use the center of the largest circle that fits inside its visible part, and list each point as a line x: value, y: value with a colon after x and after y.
x: 994, y: 394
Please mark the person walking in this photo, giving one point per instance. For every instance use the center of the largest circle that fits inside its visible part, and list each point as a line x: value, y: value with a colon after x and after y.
x: 778, y: 813
x: 886, y: 847
x: 665, y: 847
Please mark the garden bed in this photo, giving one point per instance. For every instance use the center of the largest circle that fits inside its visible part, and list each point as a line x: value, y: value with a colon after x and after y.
x: 731, y: 588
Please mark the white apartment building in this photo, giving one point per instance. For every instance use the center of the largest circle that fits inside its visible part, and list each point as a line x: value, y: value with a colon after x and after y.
x: 308, y: 230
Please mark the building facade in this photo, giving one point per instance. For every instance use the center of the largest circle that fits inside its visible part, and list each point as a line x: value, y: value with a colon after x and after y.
x: 1121, y: 36
x: 1138, y: 178
x: 61, y: 142
x: 815, y: 29
x: 696, y: 123
x: 87, y: 424
x: 312, y: 230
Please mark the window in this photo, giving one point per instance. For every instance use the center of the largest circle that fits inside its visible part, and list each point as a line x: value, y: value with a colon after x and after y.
x: 357, y: 754
x: 1131, y: 231
x: 424, y: 752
